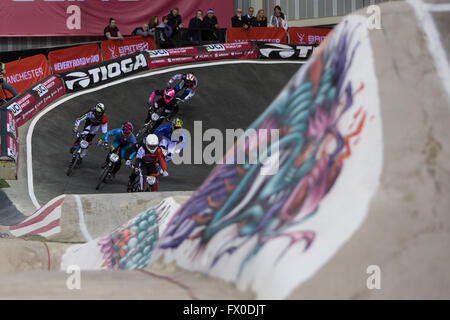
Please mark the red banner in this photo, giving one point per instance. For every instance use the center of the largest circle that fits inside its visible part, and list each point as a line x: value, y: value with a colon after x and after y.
x: 90, y: 17
x: 73, y: 58
x: 167, y: 57
x: 23, y: 73
x: 117, y: 48
x: 12, y: 148
x: 36, y: 98
x: 301, y: 35
x: 11, y: 125
x: 273, y: 34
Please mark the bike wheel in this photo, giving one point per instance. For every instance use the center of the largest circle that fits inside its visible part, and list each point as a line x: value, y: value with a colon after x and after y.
x: 75, y: 160
x: 102, y: 177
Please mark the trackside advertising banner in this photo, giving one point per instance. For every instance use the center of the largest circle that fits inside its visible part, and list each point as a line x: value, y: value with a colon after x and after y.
x: 89, y: 17
x: 35, y: 99
x: 304, y: 35
x: 72, y: 58
x: 8, y: 136
x: 273, y: 34
x: 167, y: 57
x: 104, y: 72
x: 284, y: 51
x: 23, y: 73
x: 118, y: 48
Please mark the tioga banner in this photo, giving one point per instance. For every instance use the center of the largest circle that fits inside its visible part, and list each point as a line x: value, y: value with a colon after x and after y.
x: 90, y: 17
x: 113, y: 49
x: 73, y: 58
x: 273, y: 34
x: 284, y: 51
x: 23, y: 73
x: 303, y: 35
x: 105, y: 71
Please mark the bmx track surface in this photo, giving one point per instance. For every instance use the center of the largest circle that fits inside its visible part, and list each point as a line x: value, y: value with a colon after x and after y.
x: 362, y: 185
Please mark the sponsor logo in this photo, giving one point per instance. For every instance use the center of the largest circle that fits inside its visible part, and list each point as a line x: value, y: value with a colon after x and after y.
x: 83, y: 79
x: 12, y: 152
x: 40, y: 90
x: 215, y: 47
x: 312, y: 39
x: 284, y: 51
x: 132, y: 48
x: 112, y: 52
x: 26, y: 75
x: 76, y: 63
x: 11, y: 125
x: 158, y: 53
x: 15, y: 108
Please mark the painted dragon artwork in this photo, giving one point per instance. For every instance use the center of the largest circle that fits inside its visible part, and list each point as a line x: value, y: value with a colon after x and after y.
x: 311, y: 150
x: 239, y: 210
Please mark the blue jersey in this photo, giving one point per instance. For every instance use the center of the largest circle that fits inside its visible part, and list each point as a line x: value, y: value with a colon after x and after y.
x: 165, y: 131
x: 119, y: 140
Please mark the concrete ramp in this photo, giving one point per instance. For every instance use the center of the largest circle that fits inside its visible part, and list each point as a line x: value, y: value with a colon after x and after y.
x: 81, y: 218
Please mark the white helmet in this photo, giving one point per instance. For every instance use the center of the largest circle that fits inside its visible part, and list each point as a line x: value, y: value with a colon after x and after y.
x: 99, y: 110
x: 152, y: 142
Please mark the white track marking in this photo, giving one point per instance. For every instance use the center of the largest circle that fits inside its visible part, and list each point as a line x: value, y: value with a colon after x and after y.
x: 106, y: 85
x: 54, y: 215
x: 81, y: 222
x: 422, y: 11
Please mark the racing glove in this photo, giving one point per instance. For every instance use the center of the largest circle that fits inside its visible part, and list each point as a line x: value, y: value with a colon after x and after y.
x: 165, y: 173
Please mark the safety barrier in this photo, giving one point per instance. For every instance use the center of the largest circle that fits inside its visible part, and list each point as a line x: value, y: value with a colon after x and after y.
x: 41, y: 94
x: 9, y: 146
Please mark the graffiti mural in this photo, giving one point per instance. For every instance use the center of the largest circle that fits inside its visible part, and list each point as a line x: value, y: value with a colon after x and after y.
x: 128, y: 247
x: 269, y: 233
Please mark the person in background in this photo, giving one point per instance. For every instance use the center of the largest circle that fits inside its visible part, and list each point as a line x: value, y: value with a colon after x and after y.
x: 152, y: 24
x: 175, y: 21
x: 210, y: 22
x: 195, y: 24
x: 111, y: 31
x: 166, y: 32
x: 260, y: 20
x: 3, y: 84
x: 238, y: 21
x: 249, y: 18
x: 278, y: 18
x: 142, y: 31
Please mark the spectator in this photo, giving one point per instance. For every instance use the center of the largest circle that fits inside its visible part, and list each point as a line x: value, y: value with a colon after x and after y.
x: 166, y: 32
x: 175, y: 21
x: 142, y: 31
x: 210, y: 23
x: 238, y: 20
x: 278, y: 19
x: 111, y: 31
x: 3, y: 84
x: 195, y: 24
x: 249, y: 18
x: 260, y: 20
x: 152, y: 24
